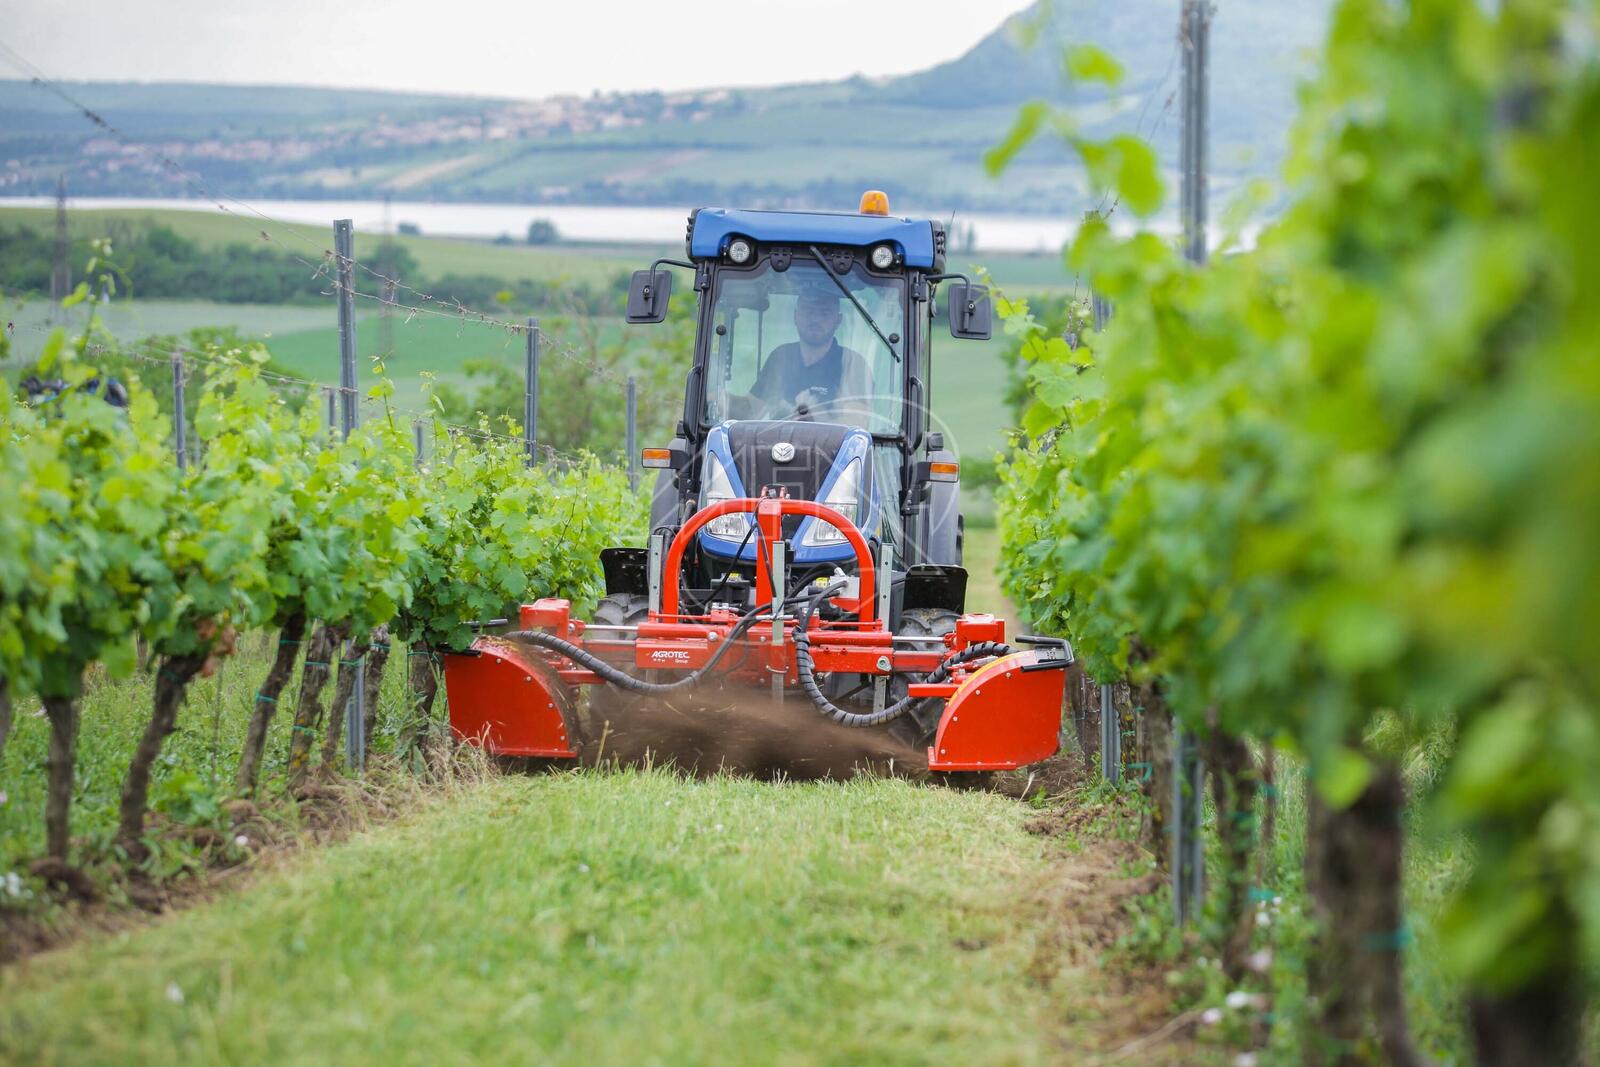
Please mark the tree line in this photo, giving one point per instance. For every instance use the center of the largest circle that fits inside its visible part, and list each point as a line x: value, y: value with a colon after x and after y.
x: 154, y: 261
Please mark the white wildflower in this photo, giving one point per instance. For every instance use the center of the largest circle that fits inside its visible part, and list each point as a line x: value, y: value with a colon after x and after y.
x: 1245, y: 1059
x: 1239, y: 999
x: 174, y: 992
x: 241, y: 841
x: 583, y: 868
x: 1211, y: 1016
x: 717, y: 828
x: 1259, y: 961
x: 1263, y: 919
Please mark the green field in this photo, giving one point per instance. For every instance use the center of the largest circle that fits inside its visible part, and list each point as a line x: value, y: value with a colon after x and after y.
x: 967, y: 379
x: 129, y: 320
x: 967, y: 386
x: 575, y: 260
x: 436, y: 256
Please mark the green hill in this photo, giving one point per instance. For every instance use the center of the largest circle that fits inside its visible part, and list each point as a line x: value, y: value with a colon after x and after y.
x: 920, y: 136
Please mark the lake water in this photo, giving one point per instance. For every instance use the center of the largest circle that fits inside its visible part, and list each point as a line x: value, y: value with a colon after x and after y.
x: 576, y: 222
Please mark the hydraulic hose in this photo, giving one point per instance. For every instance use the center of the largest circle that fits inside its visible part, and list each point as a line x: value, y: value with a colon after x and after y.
x: 844, y: 716
x: 803, y: 663
x: 621, y: 678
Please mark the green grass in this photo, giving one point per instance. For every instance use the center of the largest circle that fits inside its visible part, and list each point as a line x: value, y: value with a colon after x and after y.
x: 967, y: 390
x: 982, y: 557
x: 591, y: 918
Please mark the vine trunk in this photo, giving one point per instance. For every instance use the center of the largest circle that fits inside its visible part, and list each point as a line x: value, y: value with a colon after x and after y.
x: 1233, y: 793
x: 63, y: 715
x: 377, y: 659
x: 308, y: 709
x: 1353, y: 873
x: 172, y: 682
x: 1154, y: 725
x: 266, y: 701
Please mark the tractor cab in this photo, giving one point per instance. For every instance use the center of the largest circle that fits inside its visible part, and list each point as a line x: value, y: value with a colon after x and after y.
x: 811, y: 380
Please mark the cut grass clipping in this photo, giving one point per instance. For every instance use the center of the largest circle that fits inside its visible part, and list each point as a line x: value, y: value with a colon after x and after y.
x: 590, y: 918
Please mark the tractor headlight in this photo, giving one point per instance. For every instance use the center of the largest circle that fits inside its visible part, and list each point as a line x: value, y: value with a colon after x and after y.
x: 739, y: 251
x: 883, y: 257
x: 719, y: 487
x: 844, y: 498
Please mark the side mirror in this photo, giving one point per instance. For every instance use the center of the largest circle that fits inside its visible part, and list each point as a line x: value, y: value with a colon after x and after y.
x: 648, y: 294
x: 971, y: 314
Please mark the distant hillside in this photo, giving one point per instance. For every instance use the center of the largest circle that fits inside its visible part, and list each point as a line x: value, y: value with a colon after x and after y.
x: 920, y: 136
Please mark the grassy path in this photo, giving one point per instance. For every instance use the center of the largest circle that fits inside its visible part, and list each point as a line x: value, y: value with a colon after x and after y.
x: 597, y: 918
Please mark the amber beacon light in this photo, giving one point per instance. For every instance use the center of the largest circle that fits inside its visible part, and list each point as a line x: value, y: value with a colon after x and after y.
x: 874, y: 202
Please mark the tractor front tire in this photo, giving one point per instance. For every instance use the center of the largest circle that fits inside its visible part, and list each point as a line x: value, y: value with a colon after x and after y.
x: 916, y: 729
x: 617, y: 609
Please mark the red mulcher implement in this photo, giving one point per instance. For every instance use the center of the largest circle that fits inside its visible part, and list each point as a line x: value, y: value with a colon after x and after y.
x: 837, y: 581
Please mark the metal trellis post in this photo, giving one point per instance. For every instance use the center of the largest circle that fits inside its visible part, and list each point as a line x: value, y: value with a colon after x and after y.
x: 180, y: 421
x: 1188, y: 778
x: 416, y: 433
x: 1188, y: 802
x: 530, y: 394
x: 344, y: 251
x: 355, y: 744
x: 1110, y: 738
x: 633, y: 433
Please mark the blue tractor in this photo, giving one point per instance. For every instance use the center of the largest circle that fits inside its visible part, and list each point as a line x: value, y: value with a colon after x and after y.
x: 803, y: 583
x: 812, y: 379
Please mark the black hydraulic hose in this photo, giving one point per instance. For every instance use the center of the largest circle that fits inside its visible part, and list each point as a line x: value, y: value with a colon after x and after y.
x: 844, y: 716
x: 621, y: 678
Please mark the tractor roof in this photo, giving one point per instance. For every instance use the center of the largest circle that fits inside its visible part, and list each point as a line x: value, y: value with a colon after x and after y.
x: 920, y: 241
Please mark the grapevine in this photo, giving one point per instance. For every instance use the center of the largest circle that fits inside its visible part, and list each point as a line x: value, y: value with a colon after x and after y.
x: 1349, y: 479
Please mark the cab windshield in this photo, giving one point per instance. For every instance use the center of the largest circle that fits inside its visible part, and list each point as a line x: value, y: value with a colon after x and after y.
x: 790, y: 345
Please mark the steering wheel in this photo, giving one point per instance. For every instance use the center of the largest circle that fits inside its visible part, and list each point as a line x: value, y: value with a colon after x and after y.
x: 803, y: 412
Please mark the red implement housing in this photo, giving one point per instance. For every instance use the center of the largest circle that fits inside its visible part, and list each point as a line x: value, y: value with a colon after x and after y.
x: 1000, y: 713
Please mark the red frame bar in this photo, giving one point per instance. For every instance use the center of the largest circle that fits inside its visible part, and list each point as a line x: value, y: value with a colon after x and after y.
x: 769, y: 514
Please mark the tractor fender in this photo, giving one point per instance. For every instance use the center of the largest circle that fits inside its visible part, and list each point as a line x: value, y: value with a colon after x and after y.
x: 1005, y: 715
x: 508, y: 700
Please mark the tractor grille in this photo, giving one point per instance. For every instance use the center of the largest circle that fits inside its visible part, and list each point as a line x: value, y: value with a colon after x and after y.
x: 815, y: 446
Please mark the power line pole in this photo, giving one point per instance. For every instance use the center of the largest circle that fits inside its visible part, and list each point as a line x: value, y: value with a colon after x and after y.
x: 60, y: 276
x: 1188, y: 779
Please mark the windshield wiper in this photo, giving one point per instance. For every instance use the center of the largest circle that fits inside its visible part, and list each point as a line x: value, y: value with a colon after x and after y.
x: 852, y: 298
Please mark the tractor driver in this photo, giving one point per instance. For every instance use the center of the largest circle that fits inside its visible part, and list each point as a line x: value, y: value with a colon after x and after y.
x: 813, y: 371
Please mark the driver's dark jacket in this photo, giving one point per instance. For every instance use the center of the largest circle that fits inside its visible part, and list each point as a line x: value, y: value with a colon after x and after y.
x: 785, y: 374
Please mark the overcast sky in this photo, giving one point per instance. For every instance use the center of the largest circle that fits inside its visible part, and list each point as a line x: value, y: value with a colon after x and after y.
x: 523, y: 48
